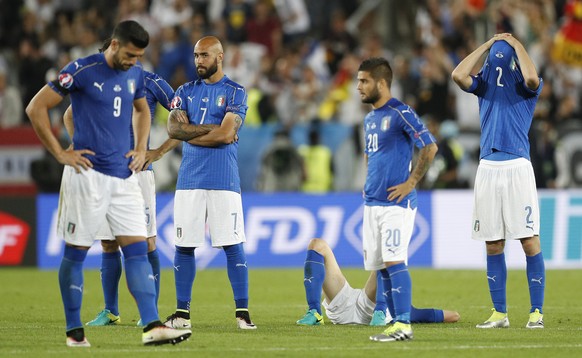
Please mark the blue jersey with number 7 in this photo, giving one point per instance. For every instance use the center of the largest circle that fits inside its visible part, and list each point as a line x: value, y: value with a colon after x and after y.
x: 210, y: 168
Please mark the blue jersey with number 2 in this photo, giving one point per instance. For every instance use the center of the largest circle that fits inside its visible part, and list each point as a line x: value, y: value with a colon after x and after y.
x: 506, y: 104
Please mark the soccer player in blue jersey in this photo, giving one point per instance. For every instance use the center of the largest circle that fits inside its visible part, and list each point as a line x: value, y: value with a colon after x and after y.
x: 157, y: 90
x: 207, y: 114
x: 391, y: 129
x: 506, y: 202
x: 98, y: 185
x: 346, y: 305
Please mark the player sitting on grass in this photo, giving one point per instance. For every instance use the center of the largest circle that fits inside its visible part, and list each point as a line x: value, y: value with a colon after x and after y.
x: 346, y: 305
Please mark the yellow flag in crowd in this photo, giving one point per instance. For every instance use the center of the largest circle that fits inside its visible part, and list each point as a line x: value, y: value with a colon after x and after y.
x: 568, y: 41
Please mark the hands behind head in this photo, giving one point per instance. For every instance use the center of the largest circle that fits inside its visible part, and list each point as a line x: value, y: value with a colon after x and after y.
x: 506, y: 36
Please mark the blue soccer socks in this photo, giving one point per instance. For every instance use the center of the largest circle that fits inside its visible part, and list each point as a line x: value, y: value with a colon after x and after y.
x: 110, y: 276
x: 536, y: 278
x: 238, y: 274
x: 71, y: 285
x: 154, y: 260
x: 140, y: 281
x: 401, y: 291
x: 313, y: 277
x: 184, y: 274
x: 497, y: 278
x: 384, y: 293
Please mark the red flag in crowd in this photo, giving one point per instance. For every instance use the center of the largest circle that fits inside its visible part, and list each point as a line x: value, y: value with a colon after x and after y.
x: 568, y: 41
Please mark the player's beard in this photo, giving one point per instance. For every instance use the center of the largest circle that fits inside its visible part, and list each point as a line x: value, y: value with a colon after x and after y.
x: 209, y: 71
x: 118, y: 65
x: 373, y: 97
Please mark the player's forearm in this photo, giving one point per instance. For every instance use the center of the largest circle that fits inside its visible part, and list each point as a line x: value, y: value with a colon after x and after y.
x: 178, y: 129
x: 425, y: 158
x: 528, y: 69
x: 68, y: 122
x: 214, y: 138
x: 41, y: 125
x: 168, y: 145
x: 462, y: 73
x: 141, y: 129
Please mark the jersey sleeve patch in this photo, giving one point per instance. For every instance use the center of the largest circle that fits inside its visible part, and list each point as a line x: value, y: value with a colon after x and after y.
x: 176, y: 103
x: 66, y: 80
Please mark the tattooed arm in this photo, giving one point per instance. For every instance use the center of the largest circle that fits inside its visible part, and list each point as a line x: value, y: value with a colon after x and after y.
x: 180, y: 128
x: 425, y: 157
x: 225, y: 134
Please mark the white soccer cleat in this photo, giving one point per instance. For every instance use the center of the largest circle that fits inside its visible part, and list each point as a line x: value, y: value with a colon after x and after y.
x: 173, y: 321
x: 243, y: 319
x: 72, y: 342
x: 397, y: 332
x: 497, y: 320
x: 536, y: 320
x: 164, y: 335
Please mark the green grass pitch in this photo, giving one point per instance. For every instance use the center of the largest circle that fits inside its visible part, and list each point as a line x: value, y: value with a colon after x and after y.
x: 32, y: 318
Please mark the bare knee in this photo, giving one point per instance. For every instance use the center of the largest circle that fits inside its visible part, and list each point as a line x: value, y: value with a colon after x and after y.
x: 318, y: 245
x: 495, y: 247
x: 109, y: 246
x: 151, y: 243
x: 531, y: 245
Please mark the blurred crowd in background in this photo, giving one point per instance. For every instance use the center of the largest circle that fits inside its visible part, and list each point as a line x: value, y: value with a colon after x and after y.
x: 298, y: 60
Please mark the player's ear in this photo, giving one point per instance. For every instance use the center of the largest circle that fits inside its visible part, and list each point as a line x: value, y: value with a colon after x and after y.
x: 114, y: 45
x: 220, y: 56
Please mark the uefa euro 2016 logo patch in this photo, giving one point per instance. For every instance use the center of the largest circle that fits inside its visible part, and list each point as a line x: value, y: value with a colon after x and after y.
x: 131, y: 86
x: 220, y: 100
x: 176, y: 103
x: 385, y: 123
x: 66, y: 80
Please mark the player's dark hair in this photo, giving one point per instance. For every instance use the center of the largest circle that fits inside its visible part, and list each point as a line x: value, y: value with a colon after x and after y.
x: 379, y: 68
x: 105, y: 45
x: 131, y: 31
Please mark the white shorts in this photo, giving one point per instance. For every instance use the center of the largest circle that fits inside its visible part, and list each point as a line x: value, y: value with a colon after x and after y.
x: 89, y: 200
x: 147, y: 185
x: 387, y: 231
x: 350, y: 306
x: 506, y: 201
x: 221, y: 208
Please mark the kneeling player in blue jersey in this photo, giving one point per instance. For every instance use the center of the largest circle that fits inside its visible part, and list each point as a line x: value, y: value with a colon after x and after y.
x: 346, y: 305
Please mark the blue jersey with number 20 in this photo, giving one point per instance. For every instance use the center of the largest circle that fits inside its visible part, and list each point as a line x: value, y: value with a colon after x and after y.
x: 391, y: 132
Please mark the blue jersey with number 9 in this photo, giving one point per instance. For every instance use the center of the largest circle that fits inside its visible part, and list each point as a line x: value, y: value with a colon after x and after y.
x: 102, y: 101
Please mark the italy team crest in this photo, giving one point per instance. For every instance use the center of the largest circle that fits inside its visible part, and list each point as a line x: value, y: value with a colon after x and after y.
x: 385, y: 123
x: 220, y: 101
x: 131, y: 86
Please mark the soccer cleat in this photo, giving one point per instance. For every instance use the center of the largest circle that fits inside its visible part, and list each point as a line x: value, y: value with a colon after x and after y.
x: 175, y: 321
x: 536, y: 320
x: 497, y: 320
x: 139, y: 323
x: 311, y: 318
x: 378, y: 319
x: 397, y: 332
x: 164, y: 335
x: 76, y: 338
x: 104, y: 318
x: 72, y: 342
x: 243, y: 319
